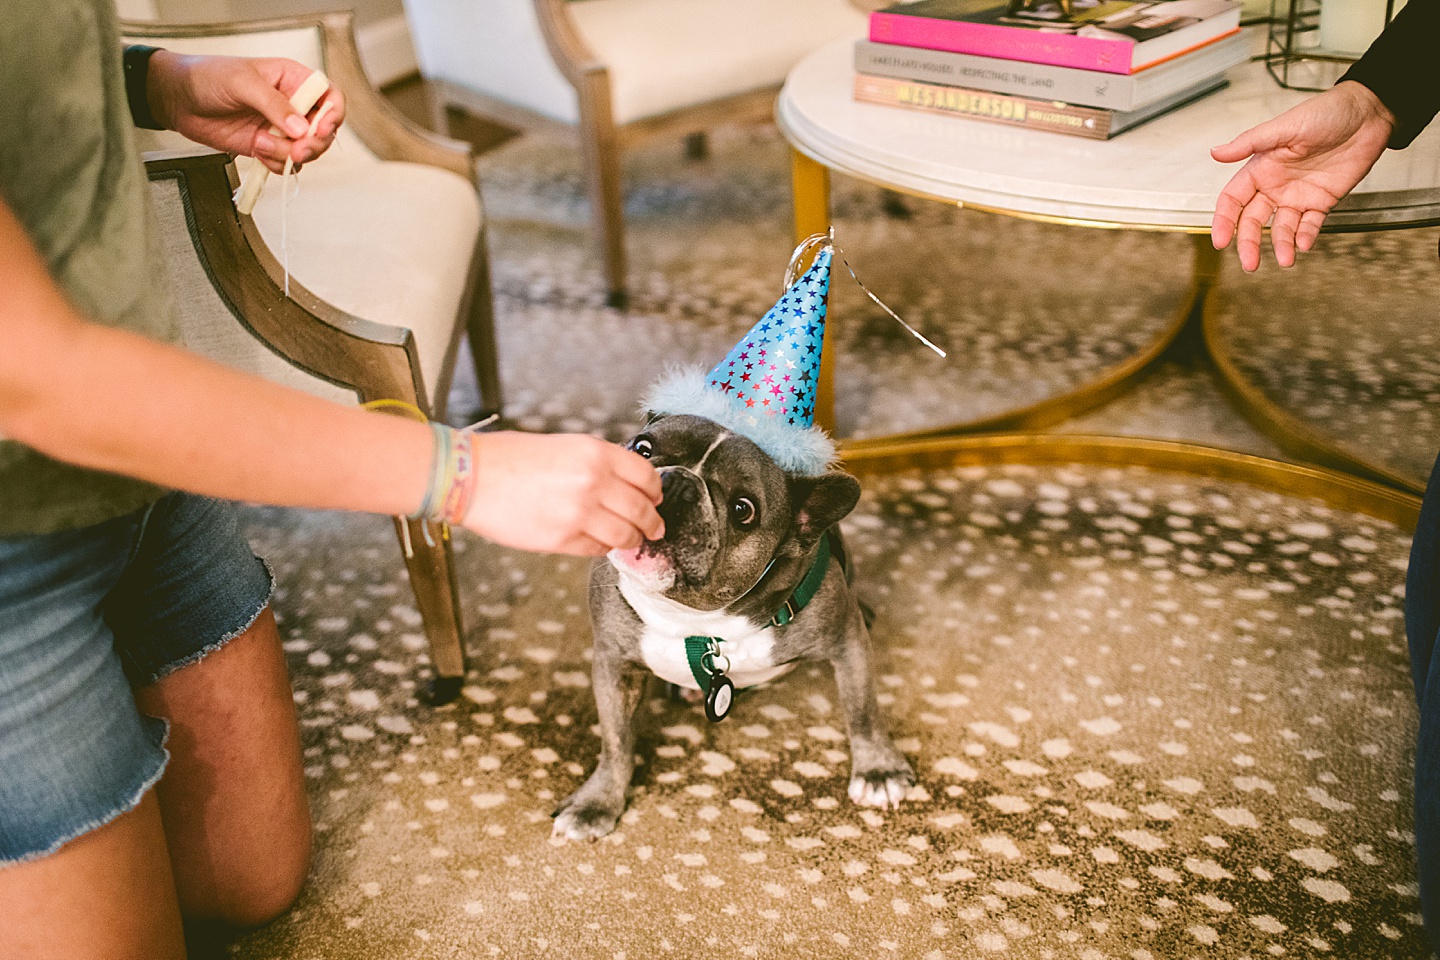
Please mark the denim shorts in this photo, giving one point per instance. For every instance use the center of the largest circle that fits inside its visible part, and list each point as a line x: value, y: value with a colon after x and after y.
x: 85, y: 616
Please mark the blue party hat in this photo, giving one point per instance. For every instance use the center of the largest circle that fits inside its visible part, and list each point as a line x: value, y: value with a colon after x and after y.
x: 764, y: 389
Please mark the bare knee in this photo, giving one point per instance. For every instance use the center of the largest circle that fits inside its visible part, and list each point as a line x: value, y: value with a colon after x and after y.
x: 255, y: 892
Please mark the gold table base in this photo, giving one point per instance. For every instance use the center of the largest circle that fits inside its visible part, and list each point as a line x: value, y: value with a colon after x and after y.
x: 1331, y: 475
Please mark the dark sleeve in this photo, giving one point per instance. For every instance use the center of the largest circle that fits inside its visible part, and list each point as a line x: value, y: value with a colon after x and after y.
x: 1402, y: 68
x: 137, y: 75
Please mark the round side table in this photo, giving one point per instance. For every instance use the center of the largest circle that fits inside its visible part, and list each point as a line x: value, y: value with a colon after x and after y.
x: 1156, y: 177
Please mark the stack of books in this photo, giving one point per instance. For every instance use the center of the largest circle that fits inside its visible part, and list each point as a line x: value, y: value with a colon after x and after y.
x: 1088, y: 68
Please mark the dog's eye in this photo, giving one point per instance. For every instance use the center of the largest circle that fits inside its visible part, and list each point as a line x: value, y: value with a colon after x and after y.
x: 643, y: 447
x: 743, y: 510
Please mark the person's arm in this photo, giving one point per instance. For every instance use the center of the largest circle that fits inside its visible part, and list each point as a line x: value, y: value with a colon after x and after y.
x: 1402, y: 69
x: 111, y: 400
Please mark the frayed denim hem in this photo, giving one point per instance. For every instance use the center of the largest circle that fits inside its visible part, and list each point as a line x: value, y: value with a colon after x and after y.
x: 95, y: 824
x: 210, y: 648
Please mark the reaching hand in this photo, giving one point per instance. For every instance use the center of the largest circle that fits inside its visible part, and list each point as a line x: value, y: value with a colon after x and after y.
x: 1301, y: 164
x: 563, y: 493
x: 231, y: 104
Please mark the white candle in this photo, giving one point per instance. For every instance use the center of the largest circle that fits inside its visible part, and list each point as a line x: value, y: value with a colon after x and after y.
x: 1349, y: 26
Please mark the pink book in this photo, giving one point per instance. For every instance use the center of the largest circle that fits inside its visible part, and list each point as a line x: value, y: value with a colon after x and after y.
x: 1109, y: 36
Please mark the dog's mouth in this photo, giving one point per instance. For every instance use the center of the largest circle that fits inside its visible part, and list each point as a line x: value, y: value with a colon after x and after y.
x: 648, y: 564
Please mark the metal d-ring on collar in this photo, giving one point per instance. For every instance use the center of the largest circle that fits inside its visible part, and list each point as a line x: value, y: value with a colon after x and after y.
x: 703, y: 653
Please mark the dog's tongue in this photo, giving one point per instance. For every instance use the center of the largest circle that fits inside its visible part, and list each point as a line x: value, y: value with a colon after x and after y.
x: 640, y: 562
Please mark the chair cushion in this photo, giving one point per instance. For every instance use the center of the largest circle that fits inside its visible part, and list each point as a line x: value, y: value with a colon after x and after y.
x: 390, y: 242
x: 667, y: 54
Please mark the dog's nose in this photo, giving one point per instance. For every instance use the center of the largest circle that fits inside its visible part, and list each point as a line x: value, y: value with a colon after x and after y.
x: 681, y: 493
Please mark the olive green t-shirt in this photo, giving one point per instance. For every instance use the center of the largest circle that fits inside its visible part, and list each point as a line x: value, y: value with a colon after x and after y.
x: 71, y: 173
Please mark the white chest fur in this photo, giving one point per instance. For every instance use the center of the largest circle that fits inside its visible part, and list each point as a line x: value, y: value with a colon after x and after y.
x: 667, y: 623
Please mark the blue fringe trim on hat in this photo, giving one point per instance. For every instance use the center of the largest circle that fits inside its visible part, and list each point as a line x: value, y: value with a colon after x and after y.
x: 806, y: 451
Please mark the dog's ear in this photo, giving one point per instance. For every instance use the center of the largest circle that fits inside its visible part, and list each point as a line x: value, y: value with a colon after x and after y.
x: 820, y: 503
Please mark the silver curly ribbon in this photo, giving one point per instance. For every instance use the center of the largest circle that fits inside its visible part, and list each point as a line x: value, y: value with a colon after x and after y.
x: 822, y: 240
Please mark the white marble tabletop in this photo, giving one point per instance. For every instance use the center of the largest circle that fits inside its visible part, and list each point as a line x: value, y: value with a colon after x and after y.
x: 1156, y: 175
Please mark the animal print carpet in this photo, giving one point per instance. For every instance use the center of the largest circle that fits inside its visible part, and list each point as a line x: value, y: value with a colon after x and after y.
x: 1152, y: 716
x: 1346, y: 342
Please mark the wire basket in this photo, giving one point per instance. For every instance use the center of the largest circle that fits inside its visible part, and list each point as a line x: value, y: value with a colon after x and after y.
x: 1311, y: 43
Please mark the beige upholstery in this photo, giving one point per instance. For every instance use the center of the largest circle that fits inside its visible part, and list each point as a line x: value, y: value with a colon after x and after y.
x: 210, y: 328
x: 388, y: 241
x: 663, y: 55
x: 621, y: 70
x: 493, y: 47
x: 418, y: 224
x: 666, y: 55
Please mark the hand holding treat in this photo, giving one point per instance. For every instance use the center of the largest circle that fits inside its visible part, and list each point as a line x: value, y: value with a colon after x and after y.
x: 251, y: 107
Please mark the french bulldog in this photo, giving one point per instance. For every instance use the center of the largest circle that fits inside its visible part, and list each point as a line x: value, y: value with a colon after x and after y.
x: 741, y: 536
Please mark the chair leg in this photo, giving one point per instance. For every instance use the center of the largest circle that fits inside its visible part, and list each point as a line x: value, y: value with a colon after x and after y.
x: 439, y: 107
x: 432, y: 577
x: 480, y: 325
x: 697, y: 146
x: 601, y: 147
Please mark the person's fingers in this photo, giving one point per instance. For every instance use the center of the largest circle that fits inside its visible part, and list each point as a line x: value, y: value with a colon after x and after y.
x: 334, y: 116
x: 635, y: 508
x: 310, y: 146
x: 1309, y: 229
x: 1258, y: 139
x: 1228, y: 207
x: 1252, y: 226
x: 269, y: 147
x: 1234, y: 151
x: 581, y: 545
x: 638, y: 472
x: 252, y: 89
x: 615, y: 532
x: 1282, y: 235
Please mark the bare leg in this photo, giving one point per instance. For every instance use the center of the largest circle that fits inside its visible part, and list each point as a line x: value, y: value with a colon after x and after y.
x: 233, y: 796
x: 107, y: 895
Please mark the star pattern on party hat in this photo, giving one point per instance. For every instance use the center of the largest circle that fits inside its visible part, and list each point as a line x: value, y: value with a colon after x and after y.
x: 765, y: 387
x: 774, y: 369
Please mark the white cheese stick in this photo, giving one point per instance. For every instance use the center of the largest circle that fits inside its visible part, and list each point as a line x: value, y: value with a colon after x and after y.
x: 301, y: 101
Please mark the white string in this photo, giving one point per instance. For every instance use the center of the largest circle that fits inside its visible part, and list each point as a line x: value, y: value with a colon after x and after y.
x: 285, y: 221
x: 285, y: 196
x: 480, y: 424
x: 828, y: 240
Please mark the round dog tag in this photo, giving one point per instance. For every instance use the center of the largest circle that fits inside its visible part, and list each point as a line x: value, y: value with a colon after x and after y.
x: 720, y: 698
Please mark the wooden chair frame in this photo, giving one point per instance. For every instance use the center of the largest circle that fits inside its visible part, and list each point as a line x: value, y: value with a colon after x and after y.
x: 601, y: 139
x: 390, y: 135
x: 375, y: 360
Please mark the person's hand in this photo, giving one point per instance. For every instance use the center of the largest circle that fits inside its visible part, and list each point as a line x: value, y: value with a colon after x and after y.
x: 1301, y: 164
x: 563, y: 493
x: 231, y: 104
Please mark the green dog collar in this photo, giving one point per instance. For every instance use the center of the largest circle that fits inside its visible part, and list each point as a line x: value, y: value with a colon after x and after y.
x: 703, y: 652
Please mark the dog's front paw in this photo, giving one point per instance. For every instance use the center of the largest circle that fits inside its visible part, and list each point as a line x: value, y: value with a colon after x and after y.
x: 882, y: 787
x: 579, y: 819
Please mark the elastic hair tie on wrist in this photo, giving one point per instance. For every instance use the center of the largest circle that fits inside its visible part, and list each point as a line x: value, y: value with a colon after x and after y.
x: 451, y: 482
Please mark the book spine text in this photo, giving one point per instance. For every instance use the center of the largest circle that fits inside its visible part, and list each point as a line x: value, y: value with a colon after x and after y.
x: 981, y: 105
x: 1001, y: 76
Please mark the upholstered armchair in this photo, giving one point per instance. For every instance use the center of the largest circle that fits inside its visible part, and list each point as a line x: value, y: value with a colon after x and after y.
x: 232, y: 307
x: 621, y: 70
x: 388, y: 225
